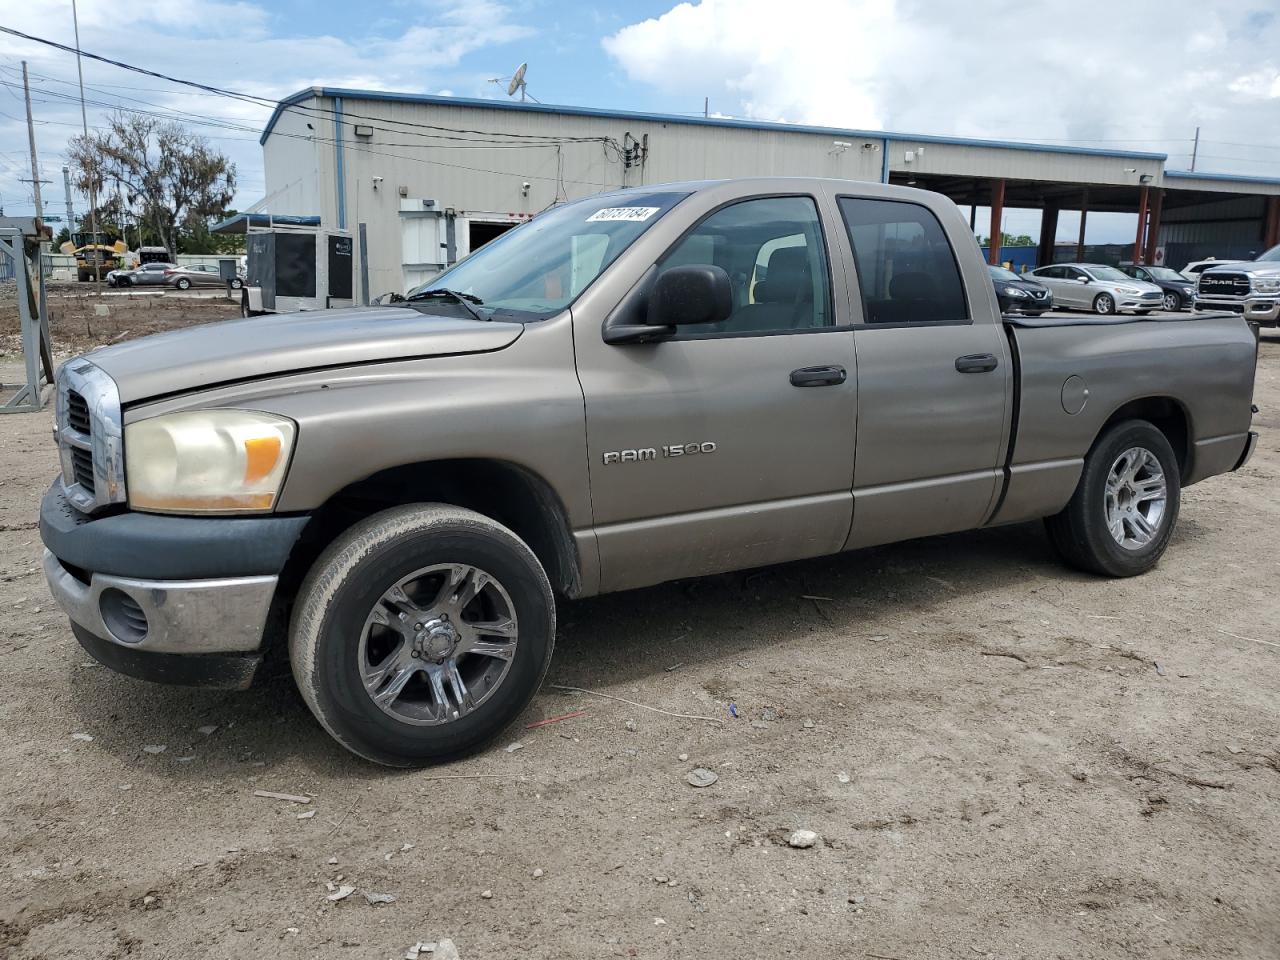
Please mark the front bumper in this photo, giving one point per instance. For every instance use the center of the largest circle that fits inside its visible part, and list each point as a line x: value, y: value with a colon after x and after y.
x: 1129, y: 302
x: 1258, y: 309
x: 173, y: 599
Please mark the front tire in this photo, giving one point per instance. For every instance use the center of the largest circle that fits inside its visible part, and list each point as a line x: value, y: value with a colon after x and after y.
x: 421, y: 633
x: 1104, y: 304
x: 237, y: 283
x: 1172, y: 302
x: 1119, y: 521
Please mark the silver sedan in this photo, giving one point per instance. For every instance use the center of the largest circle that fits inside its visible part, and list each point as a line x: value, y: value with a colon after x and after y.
x: 1097, y: 287
x: 198, y: 275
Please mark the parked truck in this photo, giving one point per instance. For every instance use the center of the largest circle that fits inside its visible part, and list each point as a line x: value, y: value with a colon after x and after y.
x: 664, y: 382
x: 1250, y: 289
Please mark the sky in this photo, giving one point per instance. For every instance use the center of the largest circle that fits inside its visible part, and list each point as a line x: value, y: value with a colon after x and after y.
x: 1090, y: 73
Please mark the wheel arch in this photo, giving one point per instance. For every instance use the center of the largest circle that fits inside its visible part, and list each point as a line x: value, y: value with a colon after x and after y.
x: 506, y: 492
x: 1167, y: 414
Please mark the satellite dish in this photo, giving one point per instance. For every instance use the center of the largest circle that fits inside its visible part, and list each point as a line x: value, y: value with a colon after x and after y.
x: 517, y: 81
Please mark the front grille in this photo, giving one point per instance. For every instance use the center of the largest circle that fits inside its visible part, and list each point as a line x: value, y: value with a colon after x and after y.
x: 82, y: 468
x: 1224, y: 284
x: 1039, y: 294
x: 78, y: 414
x: 90, y: 436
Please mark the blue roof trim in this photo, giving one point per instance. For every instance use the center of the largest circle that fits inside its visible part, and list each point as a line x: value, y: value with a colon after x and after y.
x: 1228, y: 177
x: 264, y: 220
x: 348, y: 94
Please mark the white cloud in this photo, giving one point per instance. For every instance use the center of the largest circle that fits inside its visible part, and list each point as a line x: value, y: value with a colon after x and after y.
x: 236, y: 45
x: 1098, y: 73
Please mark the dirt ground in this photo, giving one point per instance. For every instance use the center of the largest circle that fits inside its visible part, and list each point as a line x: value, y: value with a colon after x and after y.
x: 1002, y: 758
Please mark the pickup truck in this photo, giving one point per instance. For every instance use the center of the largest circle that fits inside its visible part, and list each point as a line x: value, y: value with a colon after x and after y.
x: 1250, y: 289
x: 664, y: 382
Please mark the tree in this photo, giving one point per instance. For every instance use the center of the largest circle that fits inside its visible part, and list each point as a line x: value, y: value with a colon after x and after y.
x: 173, y: 174
x: 1008, y: 240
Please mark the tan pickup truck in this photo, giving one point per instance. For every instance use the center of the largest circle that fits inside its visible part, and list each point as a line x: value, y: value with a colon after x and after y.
x: 664, y: 382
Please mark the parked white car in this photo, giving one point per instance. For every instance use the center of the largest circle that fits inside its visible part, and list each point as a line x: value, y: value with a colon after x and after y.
x: 1193, y: 269
x: 1098, y: 287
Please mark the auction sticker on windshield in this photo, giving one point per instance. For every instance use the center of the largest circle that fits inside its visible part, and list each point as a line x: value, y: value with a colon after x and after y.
x: 623, y: 213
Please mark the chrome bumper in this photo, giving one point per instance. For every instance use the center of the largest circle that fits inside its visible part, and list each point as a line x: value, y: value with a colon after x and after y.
x: 1249, y: 446
x: 1258, y: 309
x: 226, y: 615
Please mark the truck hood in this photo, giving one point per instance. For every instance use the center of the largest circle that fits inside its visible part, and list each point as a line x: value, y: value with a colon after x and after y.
x: 266, y: 346
x: 1263, y: 268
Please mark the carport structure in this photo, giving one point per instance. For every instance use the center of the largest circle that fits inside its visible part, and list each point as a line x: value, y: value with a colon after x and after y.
x: 1181, y: 215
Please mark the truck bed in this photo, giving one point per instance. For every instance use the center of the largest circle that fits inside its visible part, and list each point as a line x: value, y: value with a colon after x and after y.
x: 1192, y: 371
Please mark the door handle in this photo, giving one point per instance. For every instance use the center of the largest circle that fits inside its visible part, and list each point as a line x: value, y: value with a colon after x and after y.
x: 818, y: 376
x: 977, y: 363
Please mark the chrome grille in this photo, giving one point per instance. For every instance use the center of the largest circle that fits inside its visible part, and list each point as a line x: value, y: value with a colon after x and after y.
x: 90, y: 436
x: 82, y: 468
x: 1220, y: 284
x: 78, y: 413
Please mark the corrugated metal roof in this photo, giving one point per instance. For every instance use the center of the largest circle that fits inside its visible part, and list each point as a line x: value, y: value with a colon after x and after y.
x: 310, y: 92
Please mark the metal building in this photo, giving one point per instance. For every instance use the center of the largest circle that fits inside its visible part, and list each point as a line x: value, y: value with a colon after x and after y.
x: 421, y: 180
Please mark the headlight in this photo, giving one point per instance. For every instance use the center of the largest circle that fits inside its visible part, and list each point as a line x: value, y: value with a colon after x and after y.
x: 1266, y: 284
x: 1014, y: 292
x: 207, y: 461
x: 1128, y: 290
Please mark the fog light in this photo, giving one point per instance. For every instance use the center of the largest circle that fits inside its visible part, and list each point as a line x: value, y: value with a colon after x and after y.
x: 122, y: 615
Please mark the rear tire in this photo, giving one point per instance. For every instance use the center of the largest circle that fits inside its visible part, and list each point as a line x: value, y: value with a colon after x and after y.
x: 1084, y: 534
x: 1104, y: 304
x: 182, y: 283
x: 341, y: 639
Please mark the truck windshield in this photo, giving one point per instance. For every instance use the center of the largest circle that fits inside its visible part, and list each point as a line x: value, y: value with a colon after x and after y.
x: 540, y: 267
x: 1271, y: 255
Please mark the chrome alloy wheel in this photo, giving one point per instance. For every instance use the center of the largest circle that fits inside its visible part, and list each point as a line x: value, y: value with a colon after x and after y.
x: 1135, y: 498
x: 437, y: 644
x: 1171, y: 302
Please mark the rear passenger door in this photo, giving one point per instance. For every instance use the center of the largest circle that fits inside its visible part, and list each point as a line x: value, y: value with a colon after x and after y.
x: 933, y: 374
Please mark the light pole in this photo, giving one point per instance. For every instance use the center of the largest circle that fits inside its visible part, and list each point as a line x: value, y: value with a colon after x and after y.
x: 93, y: 192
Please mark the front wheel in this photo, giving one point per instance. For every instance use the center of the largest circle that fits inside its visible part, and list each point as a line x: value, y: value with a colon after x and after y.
x: 1119, y: 521
x: 1172, y: 302
x: 421, y: 634
x: 1104, y: 304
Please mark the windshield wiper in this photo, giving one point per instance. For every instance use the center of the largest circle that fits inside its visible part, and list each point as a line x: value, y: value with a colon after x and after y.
x: 464, y: 300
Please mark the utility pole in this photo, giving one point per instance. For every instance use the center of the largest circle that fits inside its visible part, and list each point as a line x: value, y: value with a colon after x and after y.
x: 71, y: 216
x: 706, y: 107
x: 93, y: 192
x: 31, y: 136
x: 1195, y: 149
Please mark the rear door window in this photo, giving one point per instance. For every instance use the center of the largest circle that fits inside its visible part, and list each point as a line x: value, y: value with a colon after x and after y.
x: 907, y: 270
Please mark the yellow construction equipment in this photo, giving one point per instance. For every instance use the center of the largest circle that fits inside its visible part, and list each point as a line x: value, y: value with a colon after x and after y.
x: 93, y: 252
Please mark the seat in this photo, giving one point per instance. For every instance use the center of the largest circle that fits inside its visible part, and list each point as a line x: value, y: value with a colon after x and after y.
x: 784, y: 299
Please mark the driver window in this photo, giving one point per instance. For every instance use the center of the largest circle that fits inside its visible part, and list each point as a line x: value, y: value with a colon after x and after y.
x: 773, y: 250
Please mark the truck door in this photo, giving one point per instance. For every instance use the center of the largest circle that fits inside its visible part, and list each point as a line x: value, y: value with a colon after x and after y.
x: 732, y: 445
x: 933, y: 376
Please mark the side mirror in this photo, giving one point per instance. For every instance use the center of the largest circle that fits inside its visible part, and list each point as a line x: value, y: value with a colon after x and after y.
x: 699, y: 293
x: 1082, y: 279
x: 694, y: 294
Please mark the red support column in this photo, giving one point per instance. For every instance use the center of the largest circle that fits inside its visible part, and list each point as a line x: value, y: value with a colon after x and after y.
x: 1084, y: 216
x: 1142, y: 226
x: 997, y: 214
x: 1048, y: 233
x: 1153, y: 228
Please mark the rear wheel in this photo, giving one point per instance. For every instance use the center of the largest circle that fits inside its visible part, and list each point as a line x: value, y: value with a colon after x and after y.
x: 182, y: 283
x: 421, y: 633
x: 1120, y: 519
x: 237, y: 283
x: 1104, y: 303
